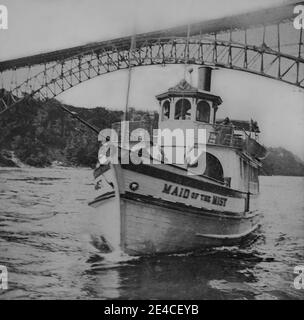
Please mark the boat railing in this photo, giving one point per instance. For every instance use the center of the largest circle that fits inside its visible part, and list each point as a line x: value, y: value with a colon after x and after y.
x: 222, y: 135
x: 227, y: 135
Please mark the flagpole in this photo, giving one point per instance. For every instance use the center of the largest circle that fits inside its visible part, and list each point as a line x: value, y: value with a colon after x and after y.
x: 132, y: 48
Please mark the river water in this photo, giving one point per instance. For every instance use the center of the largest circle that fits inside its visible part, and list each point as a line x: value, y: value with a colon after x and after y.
x: 46, y: 246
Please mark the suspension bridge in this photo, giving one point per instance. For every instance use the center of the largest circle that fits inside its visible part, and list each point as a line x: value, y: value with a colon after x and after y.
x: 264, y: 43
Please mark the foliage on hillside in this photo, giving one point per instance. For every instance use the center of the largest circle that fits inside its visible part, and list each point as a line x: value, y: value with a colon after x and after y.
x: 39, y: 133
x: 42, y: 133
x: 282, y: 162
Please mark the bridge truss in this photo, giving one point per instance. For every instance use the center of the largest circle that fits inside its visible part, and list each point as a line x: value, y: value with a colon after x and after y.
x: 264, y: 43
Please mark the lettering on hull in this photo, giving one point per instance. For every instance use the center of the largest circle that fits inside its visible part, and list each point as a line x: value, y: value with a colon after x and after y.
x: 186, y: 193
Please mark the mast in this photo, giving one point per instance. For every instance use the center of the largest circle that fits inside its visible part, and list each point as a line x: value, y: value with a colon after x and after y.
x: 132, y: 48
x: 186, y: 62
x: 247, y: 205
x: 187, y: 51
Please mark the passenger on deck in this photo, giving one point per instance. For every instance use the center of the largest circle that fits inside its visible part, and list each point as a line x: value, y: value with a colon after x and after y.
x: 225, y: 131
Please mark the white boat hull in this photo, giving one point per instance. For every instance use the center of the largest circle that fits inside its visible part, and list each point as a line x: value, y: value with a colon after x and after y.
x: 158, y: 209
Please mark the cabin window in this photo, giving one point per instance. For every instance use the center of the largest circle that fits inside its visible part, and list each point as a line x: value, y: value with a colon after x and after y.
x: 203, y: 111
x: 183, y: 110
x: 214, y: 168
x: 166, y: 110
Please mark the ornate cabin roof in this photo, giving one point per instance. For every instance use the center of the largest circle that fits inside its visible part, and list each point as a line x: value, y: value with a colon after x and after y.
x: 183, y: 85
x: 185, y: 89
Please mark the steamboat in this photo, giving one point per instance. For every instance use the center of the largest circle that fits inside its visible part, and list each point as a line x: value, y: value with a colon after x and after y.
x: 158, y: 207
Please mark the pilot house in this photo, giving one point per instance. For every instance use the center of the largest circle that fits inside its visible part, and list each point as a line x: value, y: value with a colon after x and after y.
x: 232, y: 150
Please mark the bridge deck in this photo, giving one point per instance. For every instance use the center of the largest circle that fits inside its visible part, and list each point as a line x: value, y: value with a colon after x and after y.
x: 242, y: 21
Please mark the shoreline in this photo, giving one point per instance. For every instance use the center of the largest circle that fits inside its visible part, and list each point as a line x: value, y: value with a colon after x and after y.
x: 55, y: 166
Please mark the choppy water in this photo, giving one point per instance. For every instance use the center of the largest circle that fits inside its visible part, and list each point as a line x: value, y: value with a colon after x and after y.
x: 45, y: 244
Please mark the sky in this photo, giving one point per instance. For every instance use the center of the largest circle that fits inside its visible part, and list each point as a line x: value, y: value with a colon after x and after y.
x: 37, y: 26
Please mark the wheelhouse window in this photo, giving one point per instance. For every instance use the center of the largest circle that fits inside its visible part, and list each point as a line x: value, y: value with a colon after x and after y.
x: 214, y: 168
x: 183, y: 110
x: 166, y: 110
x: 203, y: 112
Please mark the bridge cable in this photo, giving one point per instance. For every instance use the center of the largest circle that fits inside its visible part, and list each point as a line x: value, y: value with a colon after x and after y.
x: 75, y: 115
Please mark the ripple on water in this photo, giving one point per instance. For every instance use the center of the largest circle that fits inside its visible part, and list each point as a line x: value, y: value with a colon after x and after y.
x: 45, y: 245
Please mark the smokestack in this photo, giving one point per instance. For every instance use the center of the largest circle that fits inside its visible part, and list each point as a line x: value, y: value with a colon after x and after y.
x: 204, y: 78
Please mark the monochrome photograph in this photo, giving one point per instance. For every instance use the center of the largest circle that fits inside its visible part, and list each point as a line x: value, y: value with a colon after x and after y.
x: 151, y: 150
